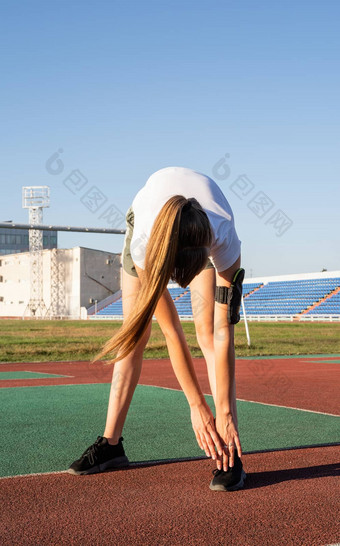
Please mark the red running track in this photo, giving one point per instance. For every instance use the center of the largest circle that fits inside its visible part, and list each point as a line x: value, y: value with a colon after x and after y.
x: 290, y: 498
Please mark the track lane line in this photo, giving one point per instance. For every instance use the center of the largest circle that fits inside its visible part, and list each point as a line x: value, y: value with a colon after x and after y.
x: 289, y: 407
x: 255, y: 402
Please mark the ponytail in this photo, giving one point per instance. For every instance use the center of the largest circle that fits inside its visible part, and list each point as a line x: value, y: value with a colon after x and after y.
x: 159, y: 266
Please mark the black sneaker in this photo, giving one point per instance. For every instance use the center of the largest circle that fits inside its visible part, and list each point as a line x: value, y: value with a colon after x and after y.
x: 99, y: 457
x: 232, y: 480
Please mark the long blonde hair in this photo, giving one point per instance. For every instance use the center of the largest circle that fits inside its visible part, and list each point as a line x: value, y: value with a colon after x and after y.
x: 178, y: 249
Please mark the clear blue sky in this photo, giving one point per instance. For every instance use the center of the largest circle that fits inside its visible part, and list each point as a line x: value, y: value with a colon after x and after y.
x: 125, y: 88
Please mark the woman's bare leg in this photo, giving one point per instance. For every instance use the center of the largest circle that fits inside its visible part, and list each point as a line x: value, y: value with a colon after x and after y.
x: 127, y: 371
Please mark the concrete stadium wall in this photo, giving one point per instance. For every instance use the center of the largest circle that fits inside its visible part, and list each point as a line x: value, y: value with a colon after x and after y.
x: 88, y: 274
x: 99, y: 275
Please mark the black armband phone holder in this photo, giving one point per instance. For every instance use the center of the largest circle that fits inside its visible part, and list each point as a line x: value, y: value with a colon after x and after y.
x: 232, y: 296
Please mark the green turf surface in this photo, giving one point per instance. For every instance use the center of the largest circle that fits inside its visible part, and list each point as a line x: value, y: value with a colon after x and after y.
x: 44, y: 429
x: 26, y: 375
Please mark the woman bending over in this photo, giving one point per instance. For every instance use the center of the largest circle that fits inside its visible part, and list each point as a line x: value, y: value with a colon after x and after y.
x: 180, y: 227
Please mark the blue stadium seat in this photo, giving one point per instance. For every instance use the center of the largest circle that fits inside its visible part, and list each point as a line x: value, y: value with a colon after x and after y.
x: 274, y: 298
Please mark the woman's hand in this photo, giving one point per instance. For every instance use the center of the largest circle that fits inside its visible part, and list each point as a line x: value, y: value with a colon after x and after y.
x: 228, y: 433
x: 202, y: 421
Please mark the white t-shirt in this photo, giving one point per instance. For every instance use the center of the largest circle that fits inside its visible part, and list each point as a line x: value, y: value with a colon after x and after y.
x: 166, y: 183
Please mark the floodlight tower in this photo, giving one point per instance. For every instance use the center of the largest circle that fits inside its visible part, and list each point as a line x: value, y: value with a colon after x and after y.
x: 35, y: 199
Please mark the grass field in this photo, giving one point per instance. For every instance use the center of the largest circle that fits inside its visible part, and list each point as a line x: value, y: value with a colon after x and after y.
x: 80, y: 340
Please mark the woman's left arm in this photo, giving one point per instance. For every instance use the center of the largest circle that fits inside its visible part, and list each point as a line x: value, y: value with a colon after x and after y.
x: 201, y: 416
x: 226, y: 417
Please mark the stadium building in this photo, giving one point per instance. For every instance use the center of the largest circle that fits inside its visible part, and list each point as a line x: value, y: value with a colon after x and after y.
x: 73, y: 280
